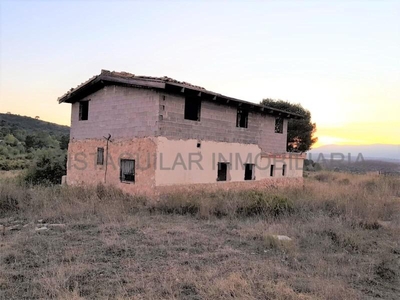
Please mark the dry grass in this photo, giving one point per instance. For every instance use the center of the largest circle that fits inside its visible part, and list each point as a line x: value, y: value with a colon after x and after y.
x: 344, y: 231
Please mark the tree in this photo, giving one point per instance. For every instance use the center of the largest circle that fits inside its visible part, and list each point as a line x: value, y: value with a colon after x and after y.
x: 48, y: 167
x: 300, y: 131
x: 29, y: 141
x: 9, y: 139
x: 64, y: 140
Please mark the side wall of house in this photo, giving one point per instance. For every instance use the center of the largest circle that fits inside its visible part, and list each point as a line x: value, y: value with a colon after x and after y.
x: 83, y: 168
x: 218, y: 123
x: 122, y: 112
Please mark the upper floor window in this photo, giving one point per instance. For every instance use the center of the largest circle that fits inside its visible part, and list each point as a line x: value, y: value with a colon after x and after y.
x: 242, y: 118
x: 83, y: 110
x: 192, y: 108
x: 278, y: 125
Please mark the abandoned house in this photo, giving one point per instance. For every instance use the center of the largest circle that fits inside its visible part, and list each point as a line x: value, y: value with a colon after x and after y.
x: 146, y: 134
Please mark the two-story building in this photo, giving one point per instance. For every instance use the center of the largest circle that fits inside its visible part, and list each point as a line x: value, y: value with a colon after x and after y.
x: 145, y: 134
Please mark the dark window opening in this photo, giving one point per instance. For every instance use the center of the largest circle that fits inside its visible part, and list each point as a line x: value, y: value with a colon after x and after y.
x: 127, y: 172
x: 283, y: 170
x: 192, y: 109
x: 271, y: 171
x: 242, y: 118
x: 100, y: 156
x: 249, y: 172
x: 279, y: 125
x: 83, y: 110
x: 198, y: 145
x: 222, y: 174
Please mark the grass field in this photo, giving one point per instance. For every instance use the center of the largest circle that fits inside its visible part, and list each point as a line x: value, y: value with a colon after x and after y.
x: 98, y: 243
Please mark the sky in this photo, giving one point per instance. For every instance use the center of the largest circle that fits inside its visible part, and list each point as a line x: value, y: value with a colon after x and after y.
x: 339, y: 59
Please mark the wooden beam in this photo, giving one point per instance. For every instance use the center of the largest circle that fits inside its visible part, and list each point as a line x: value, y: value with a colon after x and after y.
x: 133, y: 81
x: 199, y: 94
x: 215, y: 98
x: 183, y: 90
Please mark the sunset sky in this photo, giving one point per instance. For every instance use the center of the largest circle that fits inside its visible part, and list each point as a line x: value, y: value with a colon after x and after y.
x: 339, y: 59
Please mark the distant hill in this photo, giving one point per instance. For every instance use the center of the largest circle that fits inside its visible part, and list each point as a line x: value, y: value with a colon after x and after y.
x: 32, y: 125
x: 24, y: 139
x: 383, y: 152
x: 358, y: 158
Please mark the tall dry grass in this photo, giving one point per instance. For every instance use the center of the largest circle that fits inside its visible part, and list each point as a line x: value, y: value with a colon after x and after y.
x: 357, y: 198
x: 205, y: 245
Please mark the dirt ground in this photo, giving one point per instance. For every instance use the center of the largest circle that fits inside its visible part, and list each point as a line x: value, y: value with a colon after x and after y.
x: 340, y: 241
x: 183, y: 257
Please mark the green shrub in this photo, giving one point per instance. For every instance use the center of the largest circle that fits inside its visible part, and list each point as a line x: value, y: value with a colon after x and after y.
x: 47, y: 168
x: 181, y: 204
x: 344, y: 181
x: 324, y: 177
x: 262, y: 203
x: 370, y: 185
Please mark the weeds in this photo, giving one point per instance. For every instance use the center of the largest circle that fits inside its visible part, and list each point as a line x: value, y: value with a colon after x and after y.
x: 364, y: 200
x: 343, y: 242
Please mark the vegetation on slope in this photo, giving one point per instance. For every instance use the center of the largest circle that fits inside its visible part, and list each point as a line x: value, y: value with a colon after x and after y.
x: 24, y: 140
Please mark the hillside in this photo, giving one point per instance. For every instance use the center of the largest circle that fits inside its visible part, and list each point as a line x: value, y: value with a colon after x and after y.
x: 31, y: 125
x: 23, y: 139
x: 383, y: 152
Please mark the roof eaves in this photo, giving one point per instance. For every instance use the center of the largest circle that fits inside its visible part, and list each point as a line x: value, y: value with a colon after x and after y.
x: 129, y: 79
x: 74, y: 91
x: 263, y: 108
x: 152, y: 83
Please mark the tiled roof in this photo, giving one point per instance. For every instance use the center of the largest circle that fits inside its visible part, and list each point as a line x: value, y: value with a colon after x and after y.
x: 125, y: 78
x: 162, y: 79
x: 126, y: 75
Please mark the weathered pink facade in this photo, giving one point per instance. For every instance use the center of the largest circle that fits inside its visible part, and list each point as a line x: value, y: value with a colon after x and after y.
x: 145, y: 119
x: 82, y: 167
